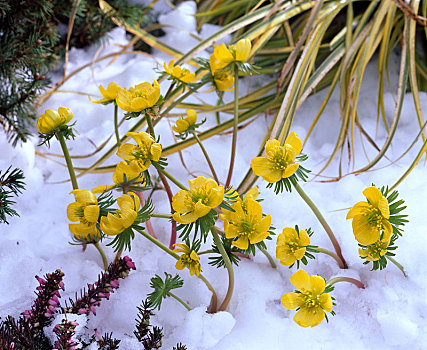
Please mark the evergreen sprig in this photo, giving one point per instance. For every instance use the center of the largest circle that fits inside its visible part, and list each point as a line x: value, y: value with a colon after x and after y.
x: 11, y: 183
x: 162, y: 288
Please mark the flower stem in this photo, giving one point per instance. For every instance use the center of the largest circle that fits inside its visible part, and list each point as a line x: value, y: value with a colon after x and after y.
x: 73, y: 178
x: 342, y: 263
x: 177, y: 257
x: 116, y: 125
x: 230, y: 270
x: 170, y: 177
x: 67, y: 157
x: 180, y: 300
x: 356, y: 282
x: 206, y: 156
x: 150, y: 125
x: 400, y: 267
x: 101, y: 252
x: 269, y: 257
x: 209, y: 251
x: 328, y: 252
x: 235, y: 123
x: 158, y: 215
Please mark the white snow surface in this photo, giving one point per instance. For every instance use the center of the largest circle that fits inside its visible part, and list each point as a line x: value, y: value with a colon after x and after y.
x: 389, y: 314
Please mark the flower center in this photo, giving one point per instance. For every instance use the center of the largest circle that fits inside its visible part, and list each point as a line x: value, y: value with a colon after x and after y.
x: 140, y: 93
x: 141, y: 153
x: 281, y: 158
x: 374, y: 217
x: 293, y: 246
x: 311, y: 300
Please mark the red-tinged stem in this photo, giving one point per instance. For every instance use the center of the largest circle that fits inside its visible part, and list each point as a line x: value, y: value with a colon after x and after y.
x: 148, y: 222
x: 356, y: 282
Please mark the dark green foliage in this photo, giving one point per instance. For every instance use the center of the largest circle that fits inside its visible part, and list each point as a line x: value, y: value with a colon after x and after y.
x: 11, y: 183
x: 27, y: 38
x: 31, y: 45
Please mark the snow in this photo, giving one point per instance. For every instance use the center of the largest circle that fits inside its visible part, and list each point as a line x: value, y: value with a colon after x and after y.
x: 388, y: 314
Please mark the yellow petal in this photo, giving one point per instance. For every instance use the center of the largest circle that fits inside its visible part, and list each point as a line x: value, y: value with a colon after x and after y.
x: 290, y: 170
x: 261, y: 166
x: 254, y: 210
x: 102, y: 188
x: 243, y: 49
x: 192, y: 116
x: 304, y: 238
x: 125, y: 151
x: 383, y: 207
x: 364, y: 232
x: 194, y: 256
x: 288, y: 259
x: 292, y: 300
x: 75, y: 211
x: 181, y: 202
x: 301, y: 280
x: 309, y: 317
x: 388, y: 230
x: 373, y: 195
x: 299, y: 253
x: 252, y: 193
x: 242, y: 242
x: 156, y: 151
x: 84, y: 196
x: 180, y: 265
x: 358, y: 209
x: 295, y: 142
x: 317, y: 285
x: 325, y: 302
x: 91, y: 213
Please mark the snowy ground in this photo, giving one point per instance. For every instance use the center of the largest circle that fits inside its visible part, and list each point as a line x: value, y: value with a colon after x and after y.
x: 388, y: 314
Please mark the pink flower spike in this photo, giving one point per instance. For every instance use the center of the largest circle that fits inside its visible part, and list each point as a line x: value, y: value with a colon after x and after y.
x: 47, y: 314
x: 73, y: 323
x: 131, y: 265
x: 40, y: 280
x: 56, y: 293
x: 52, y: 302
x: 61, y: 285
x: 52, y: 308
x: 82, y: 311
x: 114, y: 283
x: 93, y: 309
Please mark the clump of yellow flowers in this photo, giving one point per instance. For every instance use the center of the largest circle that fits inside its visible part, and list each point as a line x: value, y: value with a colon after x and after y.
x: 52, y: 120
x: 109, y: 94
x: 244, y: 221
x: 204, y: 195
x: 311, y: 299
x: 140, y: 156
x: 177, y: 73
x: 139, y: 97
x: 123, y: 218
x: 279, y: 161
x: 84, y: 210
x: 189, y: 259
x: 224, y: 56
x: 183, y: 125
x: 291, y: 245
x: 377, y: 225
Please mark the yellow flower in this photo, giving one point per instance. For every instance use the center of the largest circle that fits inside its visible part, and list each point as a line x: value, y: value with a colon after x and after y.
x: 140, y: 156
x: 189, y: 259
x: 123, y: 174
x: 374, y: 252
x: 371, y: 218
x: 138, y: 98
x: 291, y: 246
x: 110, y: 94
x: 51, y: 119
x: 279, y: 161
x: 223, y: 80
x: 234, y: 53
x: 114, y: 224
x: 204, y: 195
x: 311, y: 301
x: 183, y: 124
x: 179, y: 73
x: 84, y: 210
x: 246, y: 222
